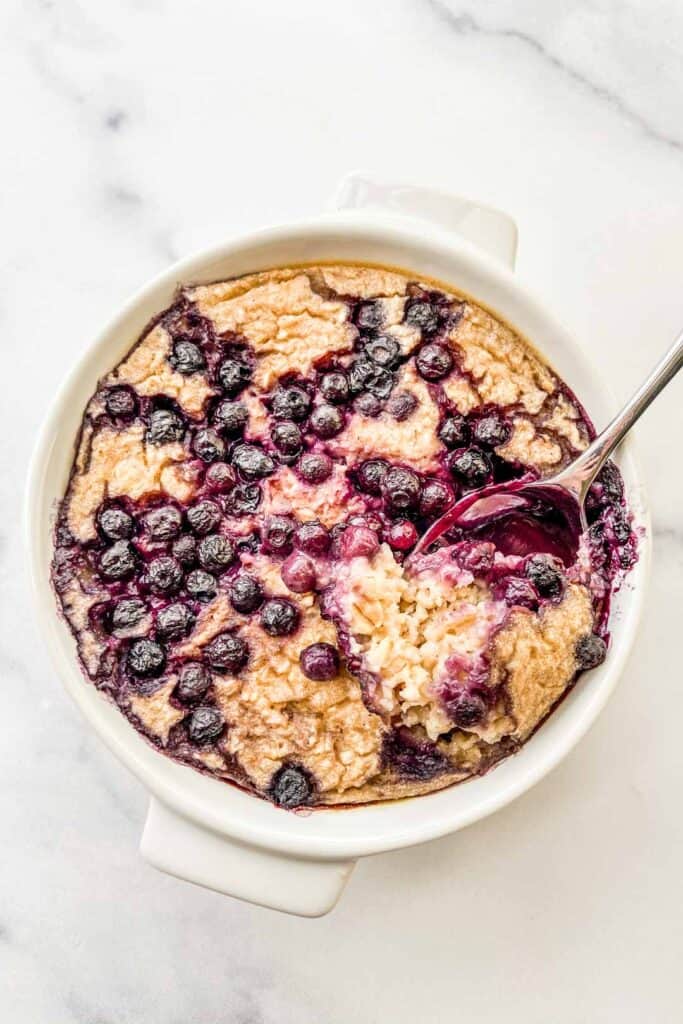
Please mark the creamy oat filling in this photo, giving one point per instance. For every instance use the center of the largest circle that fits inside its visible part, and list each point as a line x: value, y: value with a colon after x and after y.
x: 234, y: 551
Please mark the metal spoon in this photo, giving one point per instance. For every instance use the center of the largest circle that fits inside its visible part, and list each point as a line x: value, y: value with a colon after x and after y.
x: 564, y: 493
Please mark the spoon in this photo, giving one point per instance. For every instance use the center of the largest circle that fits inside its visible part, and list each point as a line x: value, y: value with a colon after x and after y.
x: 551, y: 512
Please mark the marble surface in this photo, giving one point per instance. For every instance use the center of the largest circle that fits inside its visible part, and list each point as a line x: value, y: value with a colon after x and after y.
x: 135, y: 132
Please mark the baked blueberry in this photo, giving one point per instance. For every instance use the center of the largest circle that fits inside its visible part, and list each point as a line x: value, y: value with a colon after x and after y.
x: 201, y: 585
x: 467, y: 710
x: 278, y: 532
x: 401, y: 488
x: 411, y: 758
x: 402, y: 405
x: 357, y: 542
x: 298, y: 573
x: 590, y: 651
x: 127, y: 613
x: 370, y: 475
x: 368, y: 405
x: 243, y: 500
x: 320, y: 662
x: 233, y: 376
x: 334, y: 387
x: 194, y: 680
x: 165, y: 427
x: 230, y: 417
x: 291, y: 402
x: 545, y: 574
x: 186, y: 357
x: 121, y: 402
x: 383, y: 350
x: 612, y: 483
x: 115, y: 524
x: 118, y: 562
x: 215, y: 553
x: 312, y: 538
x: 279, y: 617
x: 435, y: 497
x: 220, y: 478
x: 367, y: 375
x: 146, y: 658
x: 206, y: 725
x: 163, y: 523
x: 369, y: 316
x: 208, y: 445
x: 491, y: 430
x: 402, y: 535
x: 245, y: 593
x: 227, y: 652
x: 252, y: 462
x: 290, y: 787
x: 185, y: 551
x: 286, y: 437
x: 314, y: 467
x: 326, y: 421
x: 164, y: 575
x: 204, y: 516
x: 454, y: 431
x: 422, y: 315
x: 516, y: 591
x: 434, y: 362
x: 174, y: 622
x: 471, y: 466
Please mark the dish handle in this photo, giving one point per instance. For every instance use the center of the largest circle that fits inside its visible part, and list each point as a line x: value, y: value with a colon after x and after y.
x: 179, y: 847
x: 485, y: 227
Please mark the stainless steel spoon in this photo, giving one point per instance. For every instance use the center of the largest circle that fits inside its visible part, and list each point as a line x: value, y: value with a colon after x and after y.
x: 566, y: 491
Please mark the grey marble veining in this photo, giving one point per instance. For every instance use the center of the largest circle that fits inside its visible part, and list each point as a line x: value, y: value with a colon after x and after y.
x: 134, y: 133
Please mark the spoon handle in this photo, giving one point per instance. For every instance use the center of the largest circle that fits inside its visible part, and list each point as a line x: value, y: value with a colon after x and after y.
x: 582, y: 472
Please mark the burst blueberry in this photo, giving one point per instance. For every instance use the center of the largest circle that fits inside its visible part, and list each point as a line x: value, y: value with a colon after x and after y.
x: 278, y: 532
x: 227, y: 652
x: 546, y: 575
x: 187, y: 358
x: 163, y: 523
x: 291, y: 402
x: 185, y: 551
x: 165, y: 427
x: 215, y: 553
x: 454, y: 431
x: 233, y: 376
x: 422, y: 315
x: 383, y: 350
x: 401, y: 488
x: 491, y: 430
x: 252, y: 462
x: 201, y: 585
x: 279, y: 617
x: 204, y: 516
x: 127, y: 613
x: 208, y: 445
x: 230, y: 417
x: 243, y: 500
x: 471, y: 466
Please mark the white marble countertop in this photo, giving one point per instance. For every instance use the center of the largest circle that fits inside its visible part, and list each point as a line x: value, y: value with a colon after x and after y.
x: 135, y: 132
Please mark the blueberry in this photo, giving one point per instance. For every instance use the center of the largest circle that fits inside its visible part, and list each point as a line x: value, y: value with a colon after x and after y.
x: 127, y: 613
x: 434, y: 362
x: 402, y: 405
x: 185, y: 551
x: 215, y: 553
x: 454, y: 431
x: 121, y: 402
x: 220, y: 477
x: 165, y: 427
x: 312, y: 538
x: 517, y: 592
x: 227, y: 652
x: 370, y: 475
x: 277, y: 534
x: 286, y: 437
x: 174, y: 621
x: 208, y: 445
x: 201, y: 585
x: 291, y: 402
x: 230, y: 417
x: 612, y: 483
x: 491, y: 430
x: 357, y: 542
x: 467, y: 709
x: 326, y: 421
x: 298, y: 573
x: 368, y: 405
x: 320, y: 662
x: 383, y: 350
x: 471, y: 466
x: 186, y: 357
x: 435, y: 498
x: 163, y: 523
x: 314, y: 468
x: 245, y: 593
x: 545, y: 574
x: 146, y: 658
x: 243, y: 500
x: 423, y: 315
x: 279, y: 617
x: 233, y: 376
x: 401, y: 488
x: 206, y: 725
x: 252, y: 462
x: 290, y: 787
x: 402, y: 535
x: 367, y: 375
x: 369, y: 316
x: 413, y: 759
x: 591, y: 650
x: 118, y: 562
x: 204, y: 516
x: 334, y: 387
x: 115, y: 524
x: 193, y: 682
x: 620, y: 525
x: 164, y: 575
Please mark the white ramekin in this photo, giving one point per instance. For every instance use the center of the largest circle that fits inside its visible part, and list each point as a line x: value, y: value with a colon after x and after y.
x: 214, y: 834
